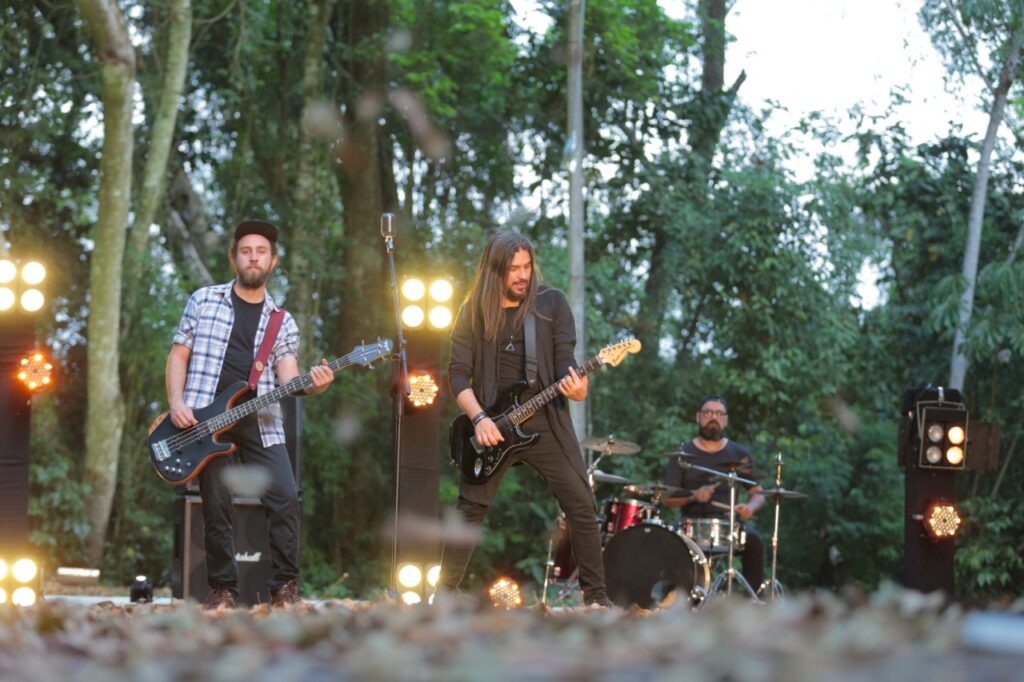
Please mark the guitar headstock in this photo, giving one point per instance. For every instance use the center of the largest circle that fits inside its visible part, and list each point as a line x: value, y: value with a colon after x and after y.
x: 617, y: 352
x: 369, y: 353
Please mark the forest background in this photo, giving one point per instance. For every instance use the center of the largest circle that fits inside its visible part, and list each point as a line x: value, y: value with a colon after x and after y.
x: 133, y: 135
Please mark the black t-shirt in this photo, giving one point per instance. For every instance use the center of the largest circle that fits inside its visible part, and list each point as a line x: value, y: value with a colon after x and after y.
x: 692, y: 479
x: 241, y: 351
x: 511, y: 353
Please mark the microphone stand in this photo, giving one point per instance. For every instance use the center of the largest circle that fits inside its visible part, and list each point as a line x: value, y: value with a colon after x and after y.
x: 400, y: 382
x: 775, y: 529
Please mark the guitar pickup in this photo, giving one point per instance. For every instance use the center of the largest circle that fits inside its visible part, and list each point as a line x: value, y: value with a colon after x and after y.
x: 476, y: 446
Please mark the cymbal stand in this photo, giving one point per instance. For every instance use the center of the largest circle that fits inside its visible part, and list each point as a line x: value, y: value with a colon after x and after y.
x: 775, y: 529
x: 730, y: 572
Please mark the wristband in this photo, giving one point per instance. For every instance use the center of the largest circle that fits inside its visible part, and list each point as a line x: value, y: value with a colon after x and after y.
x: 479, y: 417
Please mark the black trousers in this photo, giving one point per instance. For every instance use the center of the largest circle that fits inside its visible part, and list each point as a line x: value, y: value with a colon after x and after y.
x: 571, y: 491
x: 280, y: 501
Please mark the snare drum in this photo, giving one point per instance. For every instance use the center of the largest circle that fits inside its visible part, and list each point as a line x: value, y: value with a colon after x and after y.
x: 647, y: 563
x: 712, y: 535
x: 622, y: 514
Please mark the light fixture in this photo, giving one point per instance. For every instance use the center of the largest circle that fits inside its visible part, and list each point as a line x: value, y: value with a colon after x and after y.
x: 410, y: 575
x: 943, y: 434
x: 956, y: 435
x: 23, y: 596
x: 33, y: 273
x: 8, y: 271
x: 412, y: 316
x: 441, y: 290
x: 7, y: 298
x: 413, y: 289
x: 434, y: 575
x: 411, y: 598
x: 933, y: 454
x: 3, y: 569
x: 32, y: 300
x: 74, y: 575
x: 24, y: 570
x: 423, y: 389
x: 20, y: 582
x: 504, y: 594
x: 3, y: 596
x: 935, y: 433
x: 440, y: 317
x: 35, y: 371
x: 955, y: 456
x: 141, y: 591
x: 942, y: 520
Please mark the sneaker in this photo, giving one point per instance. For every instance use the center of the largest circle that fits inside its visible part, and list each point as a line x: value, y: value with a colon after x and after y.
x: 286, y: 595
x: 219, y: 599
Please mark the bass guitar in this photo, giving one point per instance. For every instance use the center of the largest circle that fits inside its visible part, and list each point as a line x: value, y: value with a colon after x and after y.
x: 178, y: 455
x: 478, y: 463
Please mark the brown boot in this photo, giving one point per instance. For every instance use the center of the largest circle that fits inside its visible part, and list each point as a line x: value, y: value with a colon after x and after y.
x: 219, y: 599
x: 286, y: 595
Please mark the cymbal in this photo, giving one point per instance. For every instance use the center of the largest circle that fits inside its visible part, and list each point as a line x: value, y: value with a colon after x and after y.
x: 610, y: 445
x: 657, y: 489
x: 602, y: 477
x: 781, y: 493
x: 677, y: 453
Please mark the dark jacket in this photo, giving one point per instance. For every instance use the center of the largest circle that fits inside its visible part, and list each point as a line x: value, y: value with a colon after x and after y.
x: 474, y: 363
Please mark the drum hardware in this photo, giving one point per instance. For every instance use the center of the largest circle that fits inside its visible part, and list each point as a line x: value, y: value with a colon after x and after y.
x: 561, y: 563
x: 732, y: 479
x: 599, y: 476
x: 779, y: 493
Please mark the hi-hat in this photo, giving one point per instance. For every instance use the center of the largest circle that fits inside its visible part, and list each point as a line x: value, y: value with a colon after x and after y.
x: 610, y: 445
x: 602, y: 477
x: 781, y: 493
x: 658, y: 489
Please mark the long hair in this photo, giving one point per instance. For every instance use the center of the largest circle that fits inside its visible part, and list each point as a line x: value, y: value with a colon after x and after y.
x: 485, y: 295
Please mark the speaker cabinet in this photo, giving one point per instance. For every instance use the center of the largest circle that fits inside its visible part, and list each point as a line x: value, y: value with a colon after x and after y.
x: 252, y: 551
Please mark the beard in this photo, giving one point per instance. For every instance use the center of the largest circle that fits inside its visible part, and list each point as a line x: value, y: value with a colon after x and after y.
x: 253, y: 279
x: 711, y: 431
x: 513, y: 295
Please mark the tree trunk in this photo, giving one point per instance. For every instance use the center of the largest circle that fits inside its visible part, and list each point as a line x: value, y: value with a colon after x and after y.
x: 306, y: 226
x: 105, y: 410
x: 959, y: 362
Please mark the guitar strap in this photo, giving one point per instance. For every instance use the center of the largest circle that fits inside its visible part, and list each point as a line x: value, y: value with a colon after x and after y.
x: 530, y: 337
x: 269, y: 336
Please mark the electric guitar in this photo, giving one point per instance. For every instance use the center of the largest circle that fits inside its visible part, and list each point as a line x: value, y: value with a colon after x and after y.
x: 178, y: 455
x: 478, y: 463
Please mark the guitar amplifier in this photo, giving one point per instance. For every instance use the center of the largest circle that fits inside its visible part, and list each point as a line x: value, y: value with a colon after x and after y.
x: 291, y: 409
x: 252, y: 551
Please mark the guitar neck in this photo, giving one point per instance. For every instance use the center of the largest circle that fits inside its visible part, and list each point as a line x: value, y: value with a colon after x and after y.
x: 296, y: 385
x: 527, y: 409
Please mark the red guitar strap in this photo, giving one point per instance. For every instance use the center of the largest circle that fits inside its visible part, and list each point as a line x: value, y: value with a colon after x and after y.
x: 269, y: 336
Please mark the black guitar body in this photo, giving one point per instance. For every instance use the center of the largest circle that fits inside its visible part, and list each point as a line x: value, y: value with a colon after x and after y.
x: 178, y: 461
x: 479, y: 464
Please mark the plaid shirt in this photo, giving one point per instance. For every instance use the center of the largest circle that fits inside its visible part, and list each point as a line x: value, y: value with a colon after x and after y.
x: 206, y: 328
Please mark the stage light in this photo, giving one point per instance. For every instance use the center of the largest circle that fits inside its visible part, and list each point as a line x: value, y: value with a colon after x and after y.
x: 413, y: 289
x: 32, y: 300
x: 7, y: 298
x: 3, y: 596
x: 410, y: 575
x: 935, y: 433
x: 33, y: 272
x: 441, y: 290
x: 411, y: 598
x: 23, y: 596
x: 956, y: 435
x: 434, y: 575
x: 440, y: 317
x: 412, y: 316
x: 35, y: 371
x: 141, y: 590
x: 423, y: 390
x: 504, y: 594
x: 3, y: 569
x: 955, y: 456
x: 943, y: 434
x: 8, y: 271
x: 24, y: 570
x: 942, y: 520
x: 933, y: 454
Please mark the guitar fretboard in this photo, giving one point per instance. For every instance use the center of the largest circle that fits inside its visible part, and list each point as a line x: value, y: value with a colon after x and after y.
x: 530, y: 407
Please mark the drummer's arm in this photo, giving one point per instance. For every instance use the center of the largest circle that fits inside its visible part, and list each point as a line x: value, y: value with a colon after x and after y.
x: 754, y: 500
x: 676, y: 501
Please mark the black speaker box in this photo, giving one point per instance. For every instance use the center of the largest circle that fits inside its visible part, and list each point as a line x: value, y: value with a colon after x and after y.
x: 252, y: 551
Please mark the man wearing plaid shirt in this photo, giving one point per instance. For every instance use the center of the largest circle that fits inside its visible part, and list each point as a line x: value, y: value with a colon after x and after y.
x: 214, y: 347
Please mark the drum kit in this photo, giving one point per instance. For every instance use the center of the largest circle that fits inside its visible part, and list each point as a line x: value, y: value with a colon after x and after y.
x: 649, y: 562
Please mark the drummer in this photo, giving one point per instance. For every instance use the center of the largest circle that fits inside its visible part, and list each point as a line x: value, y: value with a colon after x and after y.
x: 710, y: 498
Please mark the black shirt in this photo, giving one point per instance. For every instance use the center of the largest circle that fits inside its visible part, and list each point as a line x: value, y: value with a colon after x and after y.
x: 241, y: 350
x: 511, y: 353
x: 692, y: 479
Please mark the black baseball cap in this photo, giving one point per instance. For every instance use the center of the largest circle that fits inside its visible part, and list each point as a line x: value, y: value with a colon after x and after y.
x: 260, y: 227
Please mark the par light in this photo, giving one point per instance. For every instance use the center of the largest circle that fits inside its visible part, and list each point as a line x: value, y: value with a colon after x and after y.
x: 413, y: 289
x: 35, y: 371
x: 423, y: 390
x: 411, y: 598
x: 434, y: 575
x: 410, y: 575
x: 440, y: 317
x: 441, y: 290
x: 32, y: 300
x: 942, y: 520
x: 933, y: 454
x: 504, y: 594
x: 23, y: 596
x: 33, y: 273
x: 412, y: 316
x: 141, y: 590
x: 955, y: 456
x: 24, y: 570
x: 7, y: 298
x: 8, y: 271
x: 935, y: 433
x: 956, y: 435
x: 943, y: 434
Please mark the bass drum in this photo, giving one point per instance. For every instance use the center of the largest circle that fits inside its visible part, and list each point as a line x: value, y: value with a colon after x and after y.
x: 645, y: 564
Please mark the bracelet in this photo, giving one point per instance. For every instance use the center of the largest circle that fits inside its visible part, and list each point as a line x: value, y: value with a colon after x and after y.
x: 479, y: 417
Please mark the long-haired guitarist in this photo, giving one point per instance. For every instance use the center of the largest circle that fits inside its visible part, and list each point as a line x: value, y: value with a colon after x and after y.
x: 215, y: 346
x: 492, y: 353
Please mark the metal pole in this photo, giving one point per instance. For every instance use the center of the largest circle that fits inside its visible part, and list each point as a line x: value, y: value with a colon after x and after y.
x: 574, y: 156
